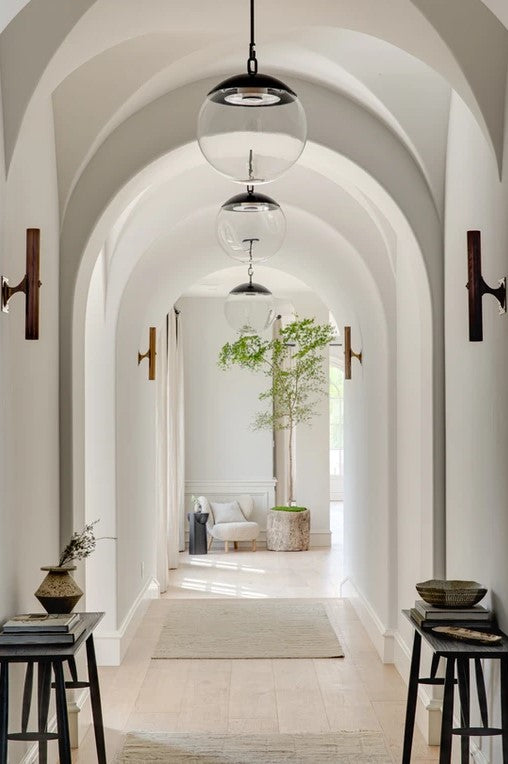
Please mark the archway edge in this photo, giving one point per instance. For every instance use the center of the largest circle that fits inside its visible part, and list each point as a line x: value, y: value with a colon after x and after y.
x: 92, y: 230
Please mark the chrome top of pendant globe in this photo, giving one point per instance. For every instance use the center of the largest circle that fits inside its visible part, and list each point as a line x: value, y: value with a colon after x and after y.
x: 252, y: 90
x: 250, y: 289
x: 250, y: 307
x: 251, y: 201
x: 251, y: 227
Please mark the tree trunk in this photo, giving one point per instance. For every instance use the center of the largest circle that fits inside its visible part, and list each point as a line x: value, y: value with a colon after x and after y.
x: 291, y: 498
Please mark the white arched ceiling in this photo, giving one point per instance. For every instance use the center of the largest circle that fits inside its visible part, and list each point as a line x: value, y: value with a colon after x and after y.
x: 472, y: 56
x: 123, y: 79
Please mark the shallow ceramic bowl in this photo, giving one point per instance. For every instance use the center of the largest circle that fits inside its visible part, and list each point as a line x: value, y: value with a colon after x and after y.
x: 450, y: 594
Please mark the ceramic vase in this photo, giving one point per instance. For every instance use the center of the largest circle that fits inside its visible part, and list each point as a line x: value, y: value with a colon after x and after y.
x: 59, y: 593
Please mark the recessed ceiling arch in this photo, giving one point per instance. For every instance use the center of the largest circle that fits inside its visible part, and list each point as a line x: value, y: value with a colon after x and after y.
x: 476, y: 70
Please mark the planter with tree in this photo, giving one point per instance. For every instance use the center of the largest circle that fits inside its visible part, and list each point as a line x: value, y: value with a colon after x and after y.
x: 293, y: 363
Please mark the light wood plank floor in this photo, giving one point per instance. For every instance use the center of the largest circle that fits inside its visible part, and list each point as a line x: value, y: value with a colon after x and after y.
x: 357, y: 692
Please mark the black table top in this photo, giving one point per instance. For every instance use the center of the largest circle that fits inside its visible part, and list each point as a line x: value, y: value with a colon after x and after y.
x: 454, y: 649
x: 23, y: 653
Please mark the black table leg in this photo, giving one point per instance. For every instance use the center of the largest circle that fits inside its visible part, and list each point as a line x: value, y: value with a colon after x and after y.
x: 412, y: 697
x: 27, y: 696
x: 95, y: 696
x: 463, y: 677
x: 43, y: 696
x: 64, y: 743
x: 504, y: 706
x: 445, y: 753
x: 4, y: 710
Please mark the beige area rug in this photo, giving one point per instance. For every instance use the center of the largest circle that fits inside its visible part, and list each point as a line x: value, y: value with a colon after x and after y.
x: 232, y: 629
x: 336, y: 747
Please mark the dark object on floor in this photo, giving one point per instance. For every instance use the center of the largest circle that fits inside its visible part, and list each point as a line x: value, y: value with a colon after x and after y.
x: 197, y: 532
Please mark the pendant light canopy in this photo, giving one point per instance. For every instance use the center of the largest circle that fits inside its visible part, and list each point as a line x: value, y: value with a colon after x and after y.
x: 251, y: 227
x: 252, y: 127
x: 250, y: 307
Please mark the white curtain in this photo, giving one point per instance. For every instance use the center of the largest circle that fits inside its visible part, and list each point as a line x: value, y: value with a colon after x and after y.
x: 170, y: 449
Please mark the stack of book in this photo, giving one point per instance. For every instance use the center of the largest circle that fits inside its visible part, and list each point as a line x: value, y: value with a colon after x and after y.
x: 427, y: 616
x: 42, y: 629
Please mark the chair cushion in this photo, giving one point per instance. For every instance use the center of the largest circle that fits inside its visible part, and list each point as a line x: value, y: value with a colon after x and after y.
x: 246, y: 503
x: 227, y: 513
x: 236, y: 531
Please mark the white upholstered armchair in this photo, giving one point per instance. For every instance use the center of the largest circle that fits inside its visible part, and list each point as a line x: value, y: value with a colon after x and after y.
x: 229, y: 521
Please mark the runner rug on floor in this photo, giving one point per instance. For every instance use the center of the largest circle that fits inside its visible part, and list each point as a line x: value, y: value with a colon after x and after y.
x: 230, y: 629
x: 336, y: 747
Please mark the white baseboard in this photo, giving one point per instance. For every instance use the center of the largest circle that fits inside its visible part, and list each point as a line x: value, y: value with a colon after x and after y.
x: 382, y: 638
x: 78, y: 721
x: 111, y: 646
x: 318, y: 540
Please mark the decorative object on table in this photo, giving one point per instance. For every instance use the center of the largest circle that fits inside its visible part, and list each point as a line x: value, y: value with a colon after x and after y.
x: 29, y: 285
x: 37, y: 622
x: 288, y: 529
x: 59, y: 592
x: 150, y: 353
x: 452, y: 593
x: 230, y: 522
x: 252, y: 127
x: 349, y: 353
x: 37, y: 629
x: 293, y: 363
x: 477, y: 287
x: 197, y: 532
x: 468, y: 635
x: 458, y: 617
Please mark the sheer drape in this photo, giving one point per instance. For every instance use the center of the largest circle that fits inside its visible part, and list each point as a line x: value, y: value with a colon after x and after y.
x: 170, y: 446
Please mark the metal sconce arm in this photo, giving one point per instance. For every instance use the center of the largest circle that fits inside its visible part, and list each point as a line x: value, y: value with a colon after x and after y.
x: 150, y: 353
x: 349, y: 353
x: 29, y: 285
x: 477, y: 287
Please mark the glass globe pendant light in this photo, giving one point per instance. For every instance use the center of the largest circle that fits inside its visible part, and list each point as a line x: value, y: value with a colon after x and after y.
x: 251, y: 217
x: 250, y: 307
x: 252, y: 127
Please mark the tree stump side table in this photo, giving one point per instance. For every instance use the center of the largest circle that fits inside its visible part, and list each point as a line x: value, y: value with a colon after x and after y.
x: 456, y: 654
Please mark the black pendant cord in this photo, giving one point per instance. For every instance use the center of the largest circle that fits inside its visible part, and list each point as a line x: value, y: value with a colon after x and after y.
x: 252, y: 62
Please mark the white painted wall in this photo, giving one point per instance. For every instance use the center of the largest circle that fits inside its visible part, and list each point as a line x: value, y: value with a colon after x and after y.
x: 476, y: 401
x: 219, y: 405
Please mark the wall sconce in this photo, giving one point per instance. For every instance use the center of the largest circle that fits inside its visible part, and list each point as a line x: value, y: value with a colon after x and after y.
x: 29, y: 285
x: 349, y: 353
x: 477, y: 287
x: 150, y: 353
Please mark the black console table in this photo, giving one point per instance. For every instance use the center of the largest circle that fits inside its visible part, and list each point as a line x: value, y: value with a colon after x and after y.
x: 457, y: 654
x: 51, y: 658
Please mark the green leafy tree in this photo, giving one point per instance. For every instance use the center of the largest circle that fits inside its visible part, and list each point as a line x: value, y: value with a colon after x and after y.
x: 293, y: 363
